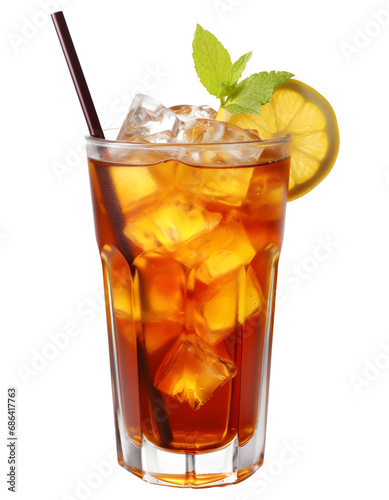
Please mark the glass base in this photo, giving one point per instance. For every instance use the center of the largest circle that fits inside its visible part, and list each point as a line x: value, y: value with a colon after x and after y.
x: 163, y: 467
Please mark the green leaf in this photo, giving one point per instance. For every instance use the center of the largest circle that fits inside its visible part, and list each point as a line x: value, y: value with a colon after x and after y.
x: 278, y: 77
x: 237, y: 108
x: 211, y: 59
x: 255, y: 91
x: 235, y: 71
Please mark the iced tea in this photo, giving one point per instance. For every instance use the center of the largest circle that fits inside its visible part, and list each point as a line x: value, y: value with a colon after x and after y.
x: 190, y: 255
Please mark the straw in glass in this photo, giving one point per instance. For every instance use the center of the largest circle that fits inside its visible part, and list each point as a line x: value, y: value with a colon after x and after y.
x: 110, y: 200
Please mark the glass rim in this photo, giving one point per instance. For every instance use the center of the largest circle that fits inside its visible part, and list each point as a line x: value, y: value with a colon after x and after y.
x: 276, y: 141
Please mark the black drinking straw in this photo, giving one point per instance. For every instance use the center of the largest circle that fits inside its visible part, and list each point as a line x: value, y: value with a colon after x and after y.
x: 111, y: 200
x: 77, y: 74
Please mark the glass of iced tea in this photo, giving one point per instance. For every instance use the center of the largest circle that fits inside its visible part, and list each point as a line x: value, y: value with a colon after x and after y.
x: 190, y: 235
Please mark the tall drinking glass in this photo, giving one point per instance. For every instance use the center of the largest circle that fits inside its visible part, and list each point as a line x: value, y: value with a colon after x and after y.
x: 189, y: 237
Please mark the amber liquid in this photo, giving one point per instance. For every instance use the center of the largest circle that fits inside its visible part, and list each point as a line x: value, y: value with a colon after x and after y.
x: 190, y: 261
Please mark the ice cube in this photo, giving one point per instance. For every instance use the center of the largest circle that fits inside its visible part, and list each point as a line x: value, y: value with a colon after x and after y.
x: 155, y: 158
x: 168, y: 223
x: 268, y: 201
x: 138, y: 139
x: 221, y: 304
x: 132, y: 184
x: 164, y: 174
x: 203, y: 130
x: 146, y: 117
x: 218, y: 265
x: 137, y: 154
x: 161, y: 282
x: 228, y: 184
x: 192, y: 372
x: 158, y: 137
x: 225, y: 185
x: 161, y: 137
x: 230, y: 237
x: 217, y: 306
x: 188, y: 112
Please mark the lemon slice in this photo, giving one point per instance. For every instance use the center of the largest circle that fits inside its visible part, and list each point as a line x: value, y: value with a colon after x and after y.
x: 297, y: 110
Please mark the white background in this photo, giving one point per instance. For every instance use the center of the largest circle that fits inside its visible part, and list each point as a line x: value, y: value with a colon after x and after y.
x: 331, y: 322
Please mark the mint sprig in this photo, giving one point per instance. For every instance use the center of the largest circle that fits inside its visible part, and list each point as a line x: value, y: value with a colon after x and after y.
x: 220, y: 77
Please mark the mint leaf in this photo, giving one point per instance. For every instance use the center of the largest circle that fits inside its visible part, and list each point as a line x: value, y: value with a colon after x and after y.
x: 278, y: 77
x: 237, y: 108
x: 235, y: 71
x: 253, y: 92
x: 211, y: 59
